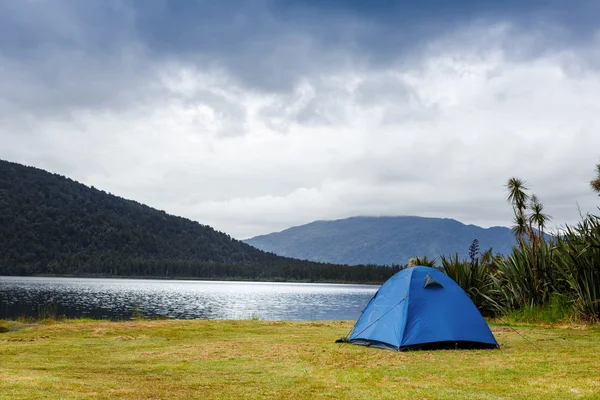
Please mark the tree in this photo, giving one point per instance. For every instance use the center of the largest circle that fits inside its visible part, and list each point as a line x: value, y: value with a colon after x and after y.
x: 525, y: 224
x: 473, y: 251
x: 537, y: 217
x: 595, y: 184
x: 518, y: 197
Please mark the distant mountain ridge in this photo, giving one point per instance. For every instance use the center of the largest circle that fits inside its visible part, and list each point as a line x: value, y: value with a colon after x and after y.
x: 382, y: 240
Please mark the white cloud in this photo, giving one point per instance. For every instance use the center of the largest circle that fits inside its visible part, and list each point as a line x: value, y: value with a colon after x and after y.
x: 437, y: 134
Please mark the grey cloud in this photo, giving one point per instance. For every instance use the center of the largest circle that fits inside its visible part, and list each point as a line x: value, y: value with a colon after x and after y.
x: 232, y: 114
x: 321, y: 101
x: 402, y: 102
x: 317, y: 103
x: 102, y: 54
x: 60, y: 58
x: 52, y: 85
x: 386, y: 89
x: 264, y: 45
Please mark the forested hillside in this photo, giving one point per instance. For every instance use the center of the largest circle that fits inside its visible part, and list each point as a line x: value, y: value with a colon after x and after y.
x: 50, y: 224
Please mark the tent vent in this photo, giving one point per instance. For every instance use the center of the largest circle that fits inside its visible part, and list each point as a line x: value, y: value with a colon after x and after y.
x: 430, y: 283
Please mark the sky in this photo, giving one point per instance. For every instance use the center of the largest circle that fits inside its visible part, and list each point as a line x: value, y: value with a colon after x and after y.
x: 254, y: 116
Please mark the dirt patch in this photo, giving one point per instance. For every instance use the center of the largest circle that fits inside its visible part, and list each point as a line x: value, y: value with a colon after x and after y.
x: 99, y: 332
x: 130, y: 337
x: 124, y: 338
x: 502, y: 329
x: 31, y: 339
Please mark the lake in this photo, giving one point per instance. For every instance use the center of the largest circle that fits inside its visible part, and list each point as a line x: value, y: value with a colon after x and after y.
x: 180, y: 299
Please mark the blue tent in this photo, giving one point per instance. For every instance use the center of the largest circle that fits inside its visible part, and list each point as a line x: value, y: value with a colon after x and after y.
x: 421, y: 308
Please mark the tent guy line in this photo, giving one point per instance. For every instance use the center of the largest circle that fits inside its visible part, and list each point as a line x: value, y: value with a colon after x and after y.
x: 377, y: 320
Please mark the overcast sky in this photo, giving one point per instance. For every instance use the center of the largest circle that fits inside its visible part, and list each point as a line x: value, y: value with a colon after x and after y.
x: 254, y: 116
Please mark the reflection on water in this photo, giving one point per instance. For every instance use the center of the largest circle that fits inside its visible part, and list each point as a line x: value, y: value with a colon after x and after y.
x: 121, y: 298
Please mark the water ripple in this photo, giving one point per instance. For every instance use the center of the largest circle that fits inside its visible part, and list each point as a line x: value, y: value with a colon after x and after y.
x: 123, y: 298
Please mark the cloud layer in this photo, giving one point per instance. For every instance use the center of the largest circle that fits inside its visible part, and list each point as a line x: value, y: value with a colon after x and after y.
x: 253, y: 119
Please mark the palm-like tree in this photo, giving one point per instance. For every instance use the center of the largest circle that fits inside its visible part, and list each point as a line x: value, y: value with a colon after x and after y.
x: 537, y: 217
x: 517, y: 193
x: 524, y: 224
x: 595, y: 184
x: 519, y: 228
x: 518, y: 197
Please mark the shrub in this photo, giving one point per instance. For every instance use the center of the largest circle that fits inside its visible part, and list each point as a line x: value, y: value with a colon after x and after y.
x: 475, y: 278
x: 578, y: 263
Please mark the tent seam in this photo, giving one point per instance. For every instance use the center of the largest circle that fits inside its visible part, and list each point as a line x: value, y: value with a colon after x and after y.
x: 406, y: 299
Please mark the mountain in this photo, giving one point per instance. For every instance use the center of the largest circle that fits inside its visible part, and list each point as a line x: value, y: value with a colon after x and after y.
x: 50, y: 224
x: 381, y: 240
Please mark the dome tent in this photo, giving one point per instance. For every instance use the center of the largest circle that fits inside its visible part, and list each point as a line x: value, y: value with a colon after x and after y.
x: 422, y: 308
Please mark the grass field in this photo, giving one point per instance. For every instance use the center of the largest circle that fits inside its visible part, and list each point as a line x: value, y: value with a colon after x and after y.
x: 295, y: 360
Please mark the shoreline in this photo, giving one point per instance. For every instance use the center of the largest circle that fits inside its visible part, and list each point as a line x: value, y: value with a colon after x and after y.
x: 158, y: 278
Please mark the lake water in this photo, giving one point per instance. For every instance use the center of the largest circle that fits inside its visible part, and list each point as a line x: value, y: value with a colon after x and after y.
x: 123, y: 298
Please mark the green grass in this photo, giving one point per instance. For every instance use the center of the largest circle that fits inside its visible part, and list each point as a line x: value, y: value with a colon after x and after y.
x: 558, y: 310
x: 295, y: 360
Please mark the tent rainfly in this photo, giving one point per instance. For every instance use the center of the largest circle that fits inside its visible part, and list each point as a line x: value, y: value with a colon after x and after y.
x: 422, y: 308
